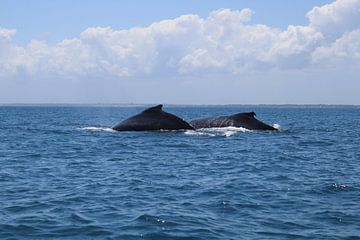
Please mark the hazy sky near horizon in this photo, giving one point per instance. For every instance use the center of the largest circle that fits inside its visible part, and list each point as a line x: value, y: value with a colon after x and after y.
x: 185, y: 52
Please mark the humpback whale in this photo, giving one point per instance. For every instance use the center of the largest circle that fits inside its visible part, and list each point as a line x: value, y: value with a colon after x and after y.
x: 153, y: 118
x: 245, y: 120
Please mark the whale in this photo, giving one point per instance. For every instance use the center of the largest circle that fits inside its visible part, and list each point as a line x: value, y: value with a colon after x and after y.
x: 245, y: 120
x: 151, y: 119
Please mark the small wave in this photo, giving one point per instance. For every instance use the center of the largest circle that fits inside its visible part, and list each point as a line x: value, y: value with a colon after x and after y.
x: 339, y: 186
x: 147, y: 218
x: 277, y: 126
x: 97, y: 129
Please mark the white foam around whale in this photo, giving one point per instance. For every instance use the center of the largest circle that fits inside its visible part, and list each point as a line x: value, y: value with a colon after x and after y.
x: 198, y: 133
x: 211, y: 132
x: 97, y: 129
x: 223, y: 131
x: 277, y: 126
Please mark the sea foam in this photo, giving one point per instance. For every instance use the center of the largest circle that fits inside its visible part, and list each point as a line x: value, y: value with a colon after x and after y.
x: 97, y: 129
x: 219, y: 131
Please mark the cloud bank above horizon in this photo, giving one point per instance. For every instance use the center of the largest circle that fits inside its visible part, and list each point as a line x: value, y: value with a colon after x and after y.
x: 224, y: 44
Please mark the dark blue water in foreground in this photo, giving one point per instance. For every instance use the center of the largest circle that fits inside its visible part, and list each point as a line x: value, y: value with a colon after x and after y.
x: 65, y: 175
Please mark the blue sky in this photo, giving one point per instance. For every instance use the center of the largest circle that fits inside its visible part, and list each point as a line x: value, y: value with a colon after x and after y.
x: 185, y: 52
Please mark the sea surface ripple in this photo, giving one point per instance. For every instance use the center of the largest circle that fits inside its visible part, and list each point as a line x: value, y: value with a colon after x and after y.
x: 66, y: 175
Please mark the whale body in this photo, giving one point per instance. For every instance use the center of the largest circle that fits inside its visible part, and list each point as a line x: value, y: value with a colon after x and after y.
x: 245, y: 120
x: 151, y: 119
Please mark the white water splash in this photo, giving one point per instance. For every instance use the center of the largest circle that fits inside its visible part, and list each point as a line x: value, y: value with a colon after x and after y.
x: 229, y: 131
x: 198, y: 133
x: 277, y: 126
x: 221, y: 131
x: 97, y: 129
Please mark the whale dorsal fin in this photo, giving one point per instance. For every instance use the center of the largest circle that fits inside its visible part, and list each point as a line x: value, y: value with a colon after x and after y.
x: 246, y: 114
x: 156, y: 108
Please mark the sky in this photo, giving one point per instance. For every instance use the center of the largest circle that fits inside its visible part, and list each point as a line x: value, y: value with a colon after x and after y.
x: 180, y: 52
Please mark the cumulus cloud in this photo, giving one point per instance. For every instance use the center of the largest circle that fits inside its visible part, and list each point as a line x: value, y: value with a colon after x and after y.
x: 6, y: 33
x: 9, y: 53
x: 344, y: 49
x: 334, y: 19
x: 224, y: 42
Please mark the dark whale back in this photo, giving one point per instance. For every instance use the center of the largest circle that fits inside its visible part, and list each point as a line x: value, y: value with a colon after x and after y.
x: 245, y: 120
x: 153, y: 118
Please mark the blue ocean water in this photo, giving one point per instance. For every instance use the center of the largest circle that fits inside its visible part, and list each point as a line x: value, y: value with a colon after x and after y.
x: 66, y: 175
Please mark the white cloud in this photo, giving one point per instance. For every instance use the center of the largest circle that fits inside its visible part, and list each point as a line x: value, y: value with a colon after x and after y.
x: 223, y: 43
x: 336, y: 18
x: 344, y: 50
x: 6, y: 33
x: 9, y: 53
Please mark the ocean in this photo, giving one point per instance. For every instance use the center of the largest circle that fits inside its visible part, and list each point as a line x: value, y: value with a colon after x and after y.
x: 66, y: 175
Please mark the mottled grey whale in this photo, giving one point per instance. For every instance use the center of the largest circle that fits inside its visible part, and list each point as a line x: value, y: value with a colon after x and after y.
x: 245, y: 120
x: 153, y: 118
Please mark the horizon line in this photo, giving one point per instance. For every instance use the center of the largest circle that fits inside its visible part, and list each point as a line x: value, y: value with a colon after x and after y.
x: 180, y: 104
